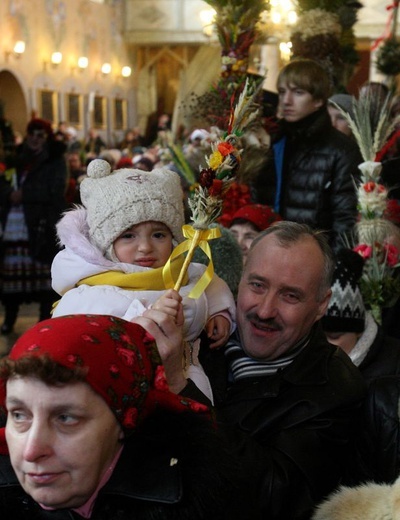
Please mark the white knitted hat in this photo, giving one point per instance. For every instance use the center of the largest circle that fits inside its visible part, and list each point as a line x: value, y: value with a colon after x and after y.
x: 117, y: 200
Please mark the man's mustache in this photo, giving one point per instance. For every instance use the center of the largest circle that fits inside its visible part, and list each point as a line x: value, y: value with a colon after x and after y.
x: 271, y: 323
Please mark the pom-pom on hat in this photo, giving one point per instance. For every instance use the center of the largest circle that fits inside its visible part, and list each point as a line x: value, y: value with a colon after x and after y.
x: 259, y: 215
x: 117, y: 200
x: 119, y: 360
x: 346, y: 311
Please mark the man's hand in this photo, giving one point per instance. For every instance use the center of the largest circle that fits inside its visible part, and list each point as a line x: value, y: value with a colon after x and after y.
x: 167, y: 332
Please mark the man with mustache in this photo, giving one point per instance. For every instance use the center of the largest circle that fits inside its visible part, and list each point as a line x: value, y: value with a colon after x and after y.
x: 289, y: 398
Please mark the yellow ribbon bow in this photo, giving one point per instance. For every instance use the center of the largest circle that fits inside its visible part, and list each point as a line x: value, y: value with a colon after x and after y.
x: 195, y: 237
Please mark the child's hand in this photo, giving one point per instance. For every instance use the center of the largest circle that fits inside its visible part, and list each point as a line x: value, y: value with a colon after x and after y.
x: 218, y: 328
x: 170, y: 303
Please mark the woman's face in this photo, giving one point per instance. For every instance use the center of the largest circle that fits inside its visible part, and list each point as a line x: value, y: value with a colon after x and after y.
x: 61, y: 440
x: 339, y: 121
x: 36, y: 140
x: 244, y: 234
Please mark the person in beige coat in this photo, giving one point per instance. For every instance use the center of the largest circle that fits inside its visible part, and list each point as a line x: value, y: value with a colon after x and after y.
x: 369, y: 501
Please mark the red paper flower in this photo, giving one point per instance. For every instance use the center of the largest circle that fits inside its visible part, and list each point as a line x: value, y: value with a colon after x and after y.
x: 216, y: 189
x: 225, y: 148
x: 364, y: 250
x: 392, y: 254
x: 206, y: 177
x: 369, y: 186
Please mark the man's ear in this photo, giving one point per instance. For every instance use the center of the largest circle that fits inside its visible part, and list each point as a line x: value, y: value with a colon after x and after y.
x: 318, y: 103
x: 323, y: 305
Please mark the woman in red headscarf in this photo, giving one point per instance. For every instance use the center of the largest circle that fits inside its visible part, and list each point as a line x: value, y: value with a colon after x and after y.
x: 94, y: 431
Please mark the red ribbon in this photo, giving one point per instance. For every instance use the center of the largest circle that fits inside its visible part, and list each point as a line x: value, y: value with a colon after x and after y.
x: 387, y: 33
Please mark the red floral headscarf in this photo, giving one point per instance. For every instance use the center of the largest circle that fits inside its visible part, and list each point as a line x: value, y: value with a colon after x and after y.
x: 121, y: 358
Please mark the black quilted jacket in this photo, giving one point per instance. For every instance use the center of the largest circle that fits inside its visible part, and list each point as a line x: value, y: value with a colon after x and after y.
x: 319, y: 168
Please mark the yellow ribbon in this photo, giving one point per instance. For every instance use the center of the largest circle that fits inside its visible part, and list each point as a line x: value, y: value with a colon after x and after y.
x: 195, y: 237
x: 151, y: 280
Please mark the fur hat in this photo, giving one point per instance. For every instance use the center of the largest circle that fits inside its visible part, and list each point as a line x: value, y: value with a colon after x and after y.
x: 346, y: 311
x: 117, y: 200
x: 261, y: 216
x: 119, y: 359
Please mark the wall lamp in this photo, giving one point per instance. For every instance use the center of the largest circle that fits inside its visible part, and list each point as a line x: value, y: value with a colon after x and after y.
x: 82, y: 64
x: 105, y: 69
x: 126, y: 72
x: 55, y: 60
x: 18, y: 50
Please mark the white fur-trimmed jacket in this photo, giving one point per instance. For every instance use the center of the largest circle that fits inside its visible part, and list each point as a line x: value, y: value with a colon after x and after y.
x: 81, y: 259
x: 369, y: 501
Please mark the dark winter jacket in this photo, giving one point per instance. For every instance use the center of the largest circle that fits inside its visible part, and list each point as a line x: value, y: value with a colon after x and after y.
x: 177, y: 468
x: 320, y: 165
x: 43, y: 196
x: 295, y: 428
x: 383, y: 358
x: 378, y: 447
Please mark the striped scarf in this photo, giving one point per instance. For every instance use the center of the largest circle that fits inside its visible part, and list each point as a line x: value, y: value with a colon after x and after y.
x: 243, y: 366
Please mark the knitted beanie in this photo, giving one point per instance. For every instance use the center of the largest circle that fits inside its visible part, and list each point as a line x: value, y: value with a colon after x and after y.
x: 346, y: 311
x: 120, y: 362
x: 117, y: 200
x: 259, y: 215
x: 344, y: 101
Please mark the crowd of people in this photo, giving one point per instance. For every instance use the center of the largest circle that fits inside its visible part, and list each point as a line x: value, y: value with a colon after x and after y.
x: 266, y: 389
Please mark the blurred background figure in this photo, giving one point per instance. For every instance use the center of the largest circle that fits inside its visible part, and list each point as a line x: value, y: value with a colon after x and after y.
x: 94, y: 144
x: 76, y: 173
x: 248, y: 222
x: 345, y: 102
x: 141, y: 162
x: 71, y: 140
x: 196, y: 149
x: 131, y: 142
x: 31, y: 202
x: 60, y: 133
x: 379, y: 95
x: 112, y: 156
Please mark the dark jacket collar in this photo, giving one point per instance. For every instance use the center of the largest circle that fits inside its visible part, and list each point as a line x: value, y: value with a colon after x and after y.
x: 308, y: 128
x: 310, y: 367
x: 146, y: 471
